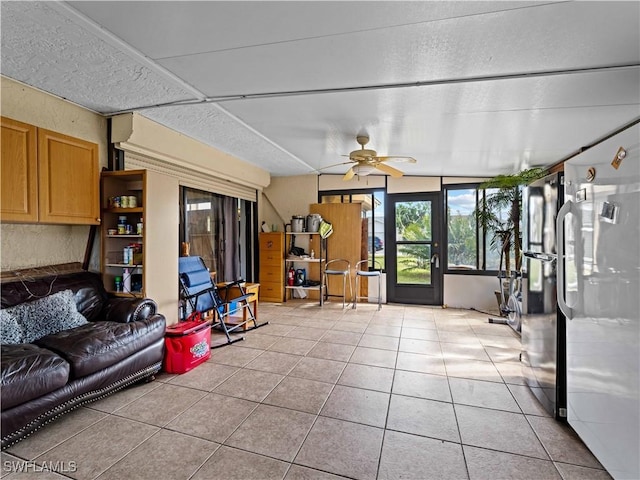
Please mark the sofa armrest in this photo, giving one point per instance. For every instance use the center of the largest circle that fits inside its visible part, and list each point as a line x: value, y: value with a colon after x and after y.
x: 125, y: 310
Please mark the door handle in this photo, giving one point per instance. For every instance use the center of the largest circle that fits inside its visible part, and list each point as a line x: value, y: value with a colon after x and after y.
x: 435, y: 259
x: 545, y: 257
x: 565, y: 210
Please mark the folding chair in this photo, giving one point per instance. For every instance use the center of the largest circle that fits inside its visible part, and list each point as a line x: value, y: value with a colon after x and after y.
x: 198, y: 293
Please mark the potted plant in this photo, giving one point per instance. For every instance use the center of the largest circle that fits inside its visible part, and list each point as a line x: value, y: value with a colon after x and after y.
x: 500, y: 216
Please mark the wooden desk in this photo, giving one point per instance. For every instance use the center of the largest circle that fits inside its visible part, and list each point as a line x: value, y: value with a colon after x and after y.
x: 252, y: 289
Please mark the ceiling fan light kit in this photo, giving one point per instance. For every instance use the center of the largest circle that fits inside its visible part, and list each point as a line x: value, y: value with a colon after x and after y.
x: 367, y: 161
x: 363, y: 170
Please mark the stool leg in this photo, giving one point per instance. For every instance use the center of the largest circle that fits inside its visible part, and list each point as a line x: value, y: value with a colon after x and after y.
x: 355, y: 299
x: 326, y: 286
x: 344, y: 289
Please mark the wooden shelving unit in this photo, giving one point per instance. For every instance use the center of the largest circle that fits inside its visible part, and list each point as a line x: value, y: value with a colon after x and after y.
x: 130, y: 183
x: 157, y: 202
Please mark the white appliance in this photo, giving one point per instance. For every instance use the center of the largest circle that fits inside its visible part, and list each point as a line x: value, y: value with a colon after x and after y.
x: 543, y: 325
x: 598, y: 230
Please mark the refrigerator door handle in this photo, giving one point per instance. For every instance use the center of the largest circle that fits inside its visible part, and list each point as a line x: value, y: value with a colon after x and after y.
x: 545, y: 257
x: 560, y: 291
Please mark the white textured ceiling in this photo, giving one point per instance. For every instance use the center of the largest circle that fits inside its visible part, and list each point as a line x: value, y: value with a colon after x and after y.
x: 467, y: 88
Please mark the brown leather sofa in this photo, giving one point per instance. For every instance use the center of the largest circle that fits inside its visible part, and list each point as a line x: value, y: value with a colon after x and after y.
x: 122, y: 343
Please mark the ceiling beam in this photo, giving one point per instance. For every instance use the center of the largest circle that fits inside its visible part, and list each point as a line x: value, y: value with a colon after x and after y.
x: 425, y: 83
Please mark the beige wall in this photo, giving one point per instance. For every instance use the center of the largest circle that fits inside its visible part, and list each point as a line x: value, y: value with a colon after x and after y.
x: 23, y: 245
x: 287, y: 196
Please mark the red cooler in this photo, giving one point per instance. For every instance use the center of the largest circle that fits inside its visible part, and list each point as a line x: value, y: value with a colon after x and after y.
x: 188, y: 344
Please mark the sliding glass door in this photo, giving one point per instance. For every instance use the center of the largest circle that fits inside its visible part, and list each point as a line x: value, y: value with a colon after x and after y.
x: 216, y: 229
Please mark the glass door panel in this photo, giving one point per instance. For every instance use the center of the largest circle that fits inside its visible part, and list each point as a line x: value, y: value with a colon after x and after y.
x: 413, y: 265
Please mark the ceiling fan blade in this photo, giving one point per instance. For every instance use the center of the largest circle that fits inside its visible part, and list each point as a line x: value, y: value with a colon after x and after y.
x: 349, y: 175
x: 395, y: 158
x: 334, y: 165
x: 394, y: 172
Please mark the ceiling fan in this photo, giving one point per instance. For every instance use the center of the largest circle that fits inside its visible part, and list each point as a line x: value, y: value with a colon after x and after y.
x: 366, y: 161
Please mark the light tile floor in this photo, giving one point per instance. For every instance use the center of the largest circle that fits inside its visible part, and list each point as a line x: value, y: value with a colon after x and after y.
x: 325, y: 393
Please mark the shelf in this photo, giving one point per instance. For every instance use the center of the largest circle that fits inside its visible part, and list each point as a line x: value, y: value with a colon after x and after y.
x: 122, y: 265
x: 302, y: 233
x: 137, y: 294
x: 305, y: 260
x: 124, y: 236
x: 123, y: 210
x: 316, y: 287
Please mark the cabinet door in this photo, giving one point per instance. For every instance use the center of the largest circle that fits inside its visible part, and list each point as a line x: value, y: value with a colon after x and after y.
x: 19, y: 172
x: 69, y: 179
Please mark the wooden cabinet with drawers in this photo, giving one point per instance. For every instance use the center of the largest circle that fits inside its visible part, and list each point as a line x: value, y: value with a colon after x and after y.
x: 272, y: 267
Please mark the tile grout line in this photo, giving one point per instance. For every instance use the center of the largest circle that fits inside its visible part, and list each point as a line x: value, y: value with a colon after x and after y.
x: 386, y: 420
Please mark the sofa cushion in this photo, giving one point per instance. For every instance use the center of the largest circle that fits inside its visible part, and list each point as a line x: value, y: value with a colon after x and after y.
x: 87, y: 287
x: 10, y: 330
x: 29, y: 372
x: 46, y: 315
x: 98, y: 345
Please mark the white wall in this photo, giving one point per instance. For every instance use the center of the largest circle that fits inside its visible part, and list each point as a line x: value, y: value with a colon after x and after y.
x: 32, y: 245
x: 471, y: 291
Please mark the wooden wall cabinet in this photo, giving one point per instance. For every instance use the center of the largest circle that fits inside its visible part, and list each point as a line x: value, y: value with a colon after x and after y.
x: 48, y: 177
x: 68, y: 179
x: 272, y: 267
x: 19, y: 172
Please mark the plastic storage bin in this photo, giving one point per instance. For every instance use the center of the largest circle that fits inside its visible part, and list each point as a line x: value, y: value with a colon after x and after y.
x: 187, y: 345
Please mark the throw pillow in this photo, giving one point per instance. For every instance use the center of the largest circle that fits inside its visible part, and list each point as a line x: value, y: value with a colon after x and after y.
x: 50, y: 314
x: 10, y: 331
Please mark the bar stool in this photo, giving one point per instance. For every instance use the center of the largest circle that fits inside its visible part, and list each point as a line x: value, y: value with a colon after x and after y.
x: 360, y: 272
x: 339, y: 267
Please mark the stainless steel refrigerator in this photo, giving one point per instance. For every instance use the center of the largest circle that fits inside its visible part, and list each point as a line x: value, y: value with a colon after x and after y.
x: 543, y: 324
x: 599, y: 239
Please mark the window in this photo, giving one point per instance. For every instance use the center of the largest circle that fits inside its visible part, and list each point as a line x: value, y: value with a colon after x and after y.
x: 373, y: 211
x: 462, y: 231
x: 468, y: 247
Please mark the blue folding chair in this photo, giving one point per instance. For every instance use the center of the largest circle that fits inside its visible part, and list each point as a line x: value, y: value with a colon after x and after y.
x: 199, y: 294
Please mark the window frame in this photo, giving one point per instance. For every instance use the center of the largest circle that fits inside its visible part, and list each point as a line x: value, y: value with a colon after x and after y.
x: 482, y: 242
